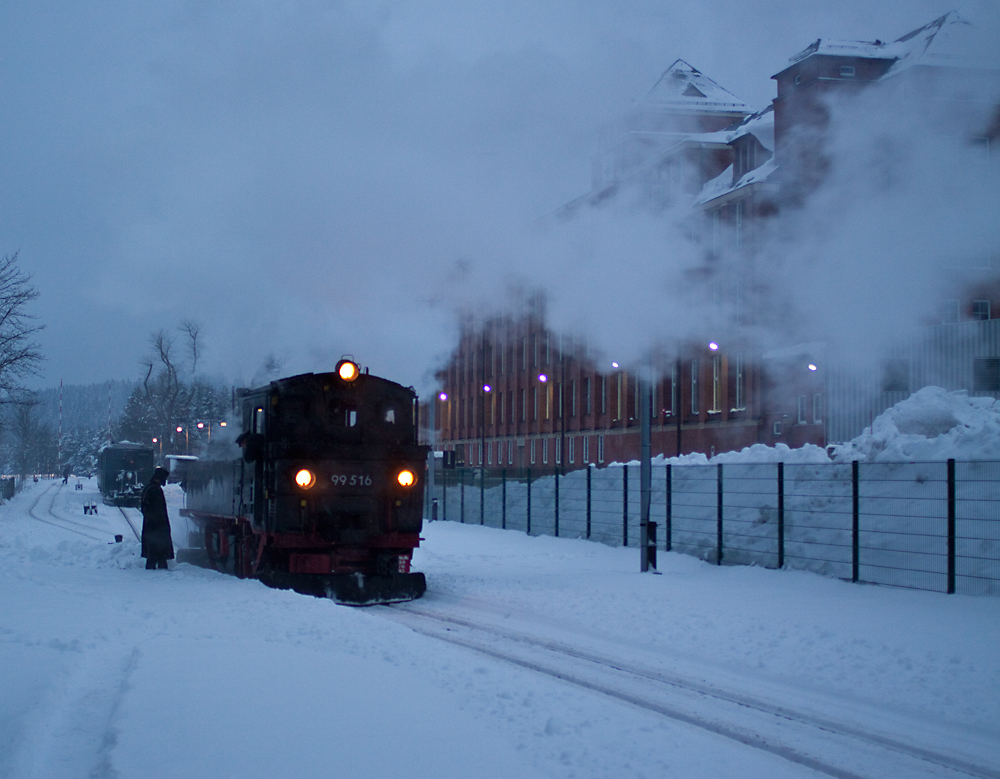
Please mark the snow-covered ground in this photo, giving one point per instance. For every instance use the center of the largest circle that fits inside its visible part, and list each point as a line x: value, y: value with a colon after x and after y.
x: 109, y: 670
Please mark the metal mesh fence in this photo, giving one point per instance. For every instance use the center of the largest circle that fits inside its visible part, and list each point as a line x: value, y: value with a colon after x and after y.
x: 931, y: 526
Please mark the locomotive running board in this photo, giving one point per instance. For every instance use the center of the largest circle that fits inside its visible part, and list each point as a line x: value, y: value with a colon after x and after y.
x: 354, y: 589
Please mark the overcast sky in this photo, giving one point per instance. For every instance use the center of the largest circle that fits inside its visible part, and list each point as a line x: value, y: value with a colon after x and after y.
x: 303, y: 177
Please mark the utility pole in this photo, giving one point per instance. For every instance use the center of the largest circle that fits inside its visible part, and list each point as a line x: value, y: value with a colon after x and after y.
x: 431, y: 439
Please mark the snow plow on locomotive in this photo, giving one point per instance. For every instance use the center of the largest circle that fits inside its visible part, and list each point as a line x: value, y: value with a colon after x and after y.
x: 326, y: 496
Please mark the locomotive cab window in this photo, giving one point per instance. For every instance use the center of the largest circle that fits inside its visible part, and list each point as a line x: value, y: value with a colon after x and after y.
x: 390, y: 416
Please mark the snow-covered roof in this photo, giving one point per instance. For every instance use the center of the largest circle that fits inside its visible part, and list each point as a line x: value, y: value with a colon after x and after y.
x: 949, y: 40
x: 723, y: 183
x: 683, y: 86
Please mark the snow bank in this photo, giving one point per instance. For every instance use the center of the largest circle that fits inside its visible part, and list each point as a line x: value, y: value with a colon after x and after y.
x: 932, y: 424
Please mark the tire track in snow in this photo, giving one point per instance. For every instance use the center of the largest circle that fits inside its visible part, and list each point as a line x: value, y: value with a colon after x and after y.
x: 775, y: 729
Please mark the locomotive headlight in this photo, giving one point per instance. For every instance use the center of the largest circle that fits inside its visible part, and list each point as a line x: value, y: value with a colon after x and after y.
x: 347, y: 370
x: 405, y: 478
x: 305, y: 478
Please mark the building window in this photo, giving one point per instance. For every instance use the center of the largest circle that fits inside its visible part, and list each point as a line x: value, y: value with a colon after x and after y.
x: 534, y: 411
x: 510, y: 453
x: 545, y: 451
x: 548, y: 401
x: 586, y: 396
x: 618, y: 412
x: 694, y: 386
x: 501, y: 409
x: 534, y: 343
x: 895, y: 376
x: 503, y: 356
x: 524, y: 353
x: 986, y: 374
x: 489, y: 454
x: 980, y: 309
x: 817, y: 409
x: 776, y: 429
x: 801, y: 416
x: 604, y: 394
x: 600, y: 449
x: 558, y: 447
x: 524, y: 406
x: 847, y: 71
x: 572, y: 398
x: 949, y: 312
x: 572, y: 451
x: 532, y: 451
x: 586, y: 449
x: 798, y: 80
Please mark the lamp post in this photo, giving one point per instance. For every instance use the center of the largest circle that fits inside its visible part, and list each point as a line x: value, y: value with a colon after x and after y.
x: 181, y: 429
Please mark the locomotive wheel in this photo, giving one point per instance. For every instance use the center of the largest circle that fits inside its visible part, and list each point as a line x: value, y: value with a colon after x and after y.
x: 216, y: 546
x: 244, y: 555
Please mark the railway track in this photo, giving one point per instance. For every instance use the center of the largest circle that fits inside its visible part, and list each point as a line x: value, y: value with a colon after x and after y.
x: 61, y: 522
x: 131, y: 524
x: 73, y: 526
x: 825, y: 745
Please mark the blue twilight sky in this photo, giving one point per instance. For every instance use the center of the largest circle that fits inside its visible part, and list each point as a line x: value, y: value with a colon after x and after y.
x: 304, y: 177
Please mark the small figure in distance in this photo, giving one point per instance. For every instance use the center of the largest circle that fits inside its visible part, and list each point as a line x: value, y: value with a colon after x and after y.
x: 157, y: 545
x: 67, y: 472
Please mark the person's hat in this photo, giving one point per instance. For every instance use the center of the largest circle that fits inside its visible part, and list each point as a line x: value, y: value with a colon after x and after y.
x: 160, y: 474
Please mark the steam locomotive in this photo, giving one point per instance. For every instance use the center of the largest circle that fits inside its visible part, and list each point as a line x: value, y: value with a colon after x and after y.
x: 123, y: 470
x: 326, y: 496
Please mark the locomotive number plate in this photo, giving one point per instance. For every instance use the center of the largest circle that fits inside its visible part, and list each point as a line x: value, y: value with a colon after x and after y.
x: 351, y: 480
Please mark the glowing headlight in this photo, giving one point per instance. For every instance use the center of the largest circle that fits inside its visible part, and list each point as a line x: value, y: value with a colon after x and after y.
x: 347, y: 370
x: 305, y: 478
x: 405, y: 478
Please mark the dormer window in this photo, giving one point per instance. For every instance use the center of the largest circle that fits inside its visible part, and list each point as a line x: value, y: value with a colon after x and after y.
x: 847, y: 71
x: 798, y: 79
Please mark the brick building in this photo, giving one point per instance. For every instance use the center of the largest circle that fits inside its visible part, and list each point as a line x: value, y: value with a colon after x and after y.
x: 516, y: 394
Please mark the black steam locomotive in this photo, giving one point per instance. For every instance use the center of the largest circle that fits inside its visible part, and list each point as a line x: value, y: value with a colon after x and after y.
x: 327, y: 495
x: 123, y: 470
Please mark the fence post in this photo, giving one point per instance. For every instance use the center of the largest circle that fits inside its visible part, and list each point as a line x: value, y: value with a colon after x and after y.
x: 589, y: 469
x: 951, y: 527
x: 718, y: 525
x: 855, y: 522
x: 503, y: 498
x: 482, y: 495
x: 557, y: 500
x: 624, y: 505
x: 670, y: 506
x: 528, y: 523
x: 444, y: 497
x: 781, y: 516
x: 461, y: 502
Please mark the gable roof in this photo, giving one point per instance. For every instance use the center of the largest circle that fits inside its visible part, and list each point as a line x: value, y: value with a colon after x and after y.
x: 686, y: 87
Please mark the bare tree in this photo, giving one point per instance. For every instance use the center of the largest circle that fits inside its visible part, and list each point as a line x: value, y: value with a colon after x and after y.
x: 19, y: 353
x: 169, y: 385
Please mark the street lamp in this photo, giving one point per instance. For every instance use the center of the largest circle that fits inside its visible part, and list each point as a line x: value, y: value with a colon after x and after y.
x: 184, y: 430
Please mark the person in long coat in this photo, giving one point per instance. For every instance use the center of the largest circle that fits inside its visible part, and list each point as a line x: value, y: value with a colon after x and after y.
x: 157, y: 545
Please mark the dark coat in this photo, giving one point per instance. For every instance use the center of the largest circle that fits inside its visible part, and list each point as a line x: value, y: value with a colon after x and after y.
x: 156, y: 541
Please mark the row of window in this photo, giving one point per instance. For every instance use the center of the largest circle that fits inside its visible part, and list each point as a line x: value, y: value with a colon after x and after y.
x: 548, y: 400
x: 538, y: 450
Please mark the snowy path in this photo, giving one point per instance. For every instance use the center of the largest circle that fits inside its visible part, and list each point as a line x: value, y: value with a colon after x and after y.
x: 109, y: 670
x: 834, y: 748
